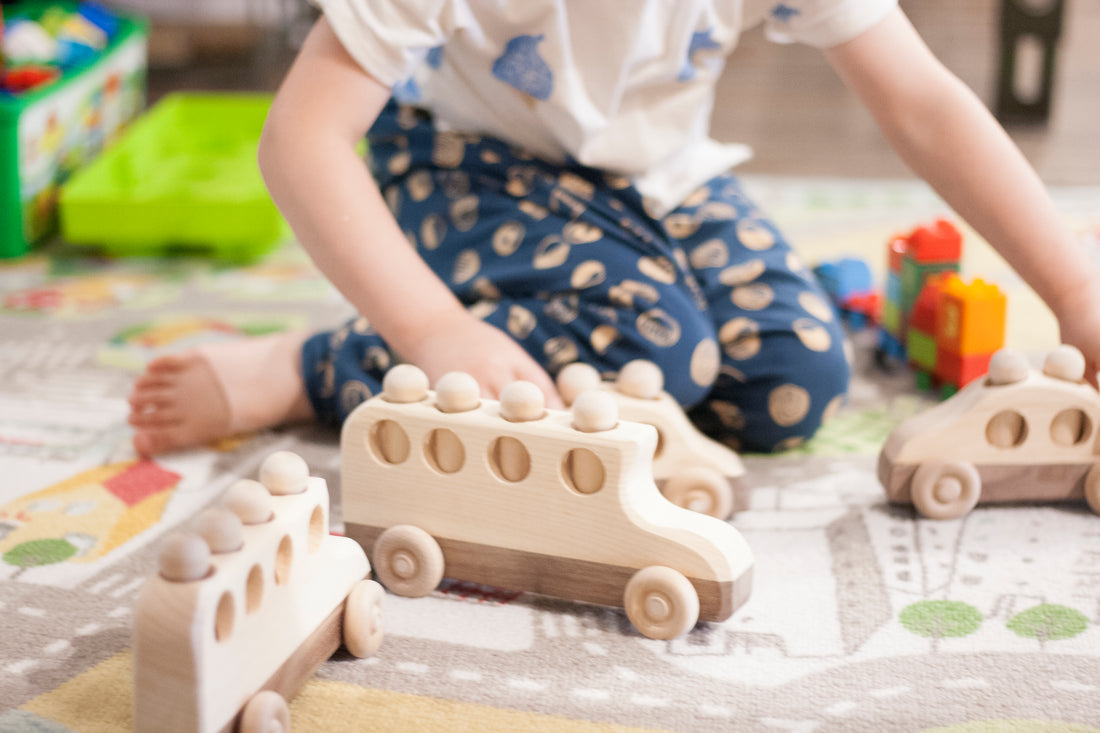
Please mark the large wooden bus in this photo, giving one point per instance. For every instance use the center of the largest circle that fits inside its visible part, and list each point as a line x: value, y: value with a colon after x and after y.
x: 508, y: 493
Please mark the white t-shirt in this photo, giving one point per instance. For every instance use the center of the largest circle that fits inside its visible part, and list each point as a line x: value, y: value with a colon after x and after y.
x: 626, y: 86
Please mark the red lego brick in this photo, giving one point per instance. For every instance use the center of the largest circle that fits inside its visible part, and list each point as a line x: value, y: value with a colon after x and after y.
x: 959, y: 370
x: 923, y: 314
x: 937, y: 242
x: 896, y: 253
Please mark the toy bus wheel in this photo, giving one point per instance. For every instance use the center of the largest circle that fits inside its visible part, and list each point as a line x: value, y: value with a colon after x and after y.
x: 408, y: 561
x: 661, y: 602
x: 700, y: 489
x: 266, y: 712
x: 1092, y: 488
x: 946, y: 489
x: 364, y: 619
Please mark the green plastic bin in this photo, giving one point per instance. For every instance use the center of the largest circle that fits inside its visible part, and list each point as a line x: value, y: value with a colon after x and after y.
x: 49, y: 132
x: 184, y: 178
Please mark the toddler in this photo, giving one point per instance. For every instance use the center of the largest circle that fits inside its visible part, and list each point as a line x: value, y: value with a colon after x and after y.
x: 542, y: 190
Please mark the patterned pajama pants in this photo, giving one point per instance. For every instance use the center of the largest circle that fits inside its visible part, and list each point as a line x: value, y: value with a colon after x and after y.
x: 567, y: 261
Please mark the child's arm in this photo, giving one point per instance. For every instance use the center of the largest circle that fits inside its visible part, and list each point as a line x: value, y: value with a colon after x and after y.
x: 940, y: 128
x: 321, y: 185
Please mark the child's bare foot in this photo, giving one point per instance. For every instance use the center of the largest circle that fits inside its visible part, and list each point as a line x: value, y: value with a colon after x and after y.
x: 189, y: 399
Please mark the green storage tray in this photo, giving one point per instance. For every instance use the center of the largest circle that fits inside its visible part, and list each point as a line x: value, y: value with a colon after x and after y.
x: 184, y: 178
x: 51, y: 131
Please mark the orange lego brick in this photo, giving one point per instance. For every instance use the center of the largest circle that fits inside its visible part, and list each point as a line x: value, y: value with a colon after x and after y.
x: 970, y: 317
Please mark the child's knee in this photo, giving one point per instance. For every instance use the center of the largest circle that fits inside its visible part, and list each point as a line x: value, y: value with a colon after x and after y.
x: 799, y: 400
x: 778, y: 409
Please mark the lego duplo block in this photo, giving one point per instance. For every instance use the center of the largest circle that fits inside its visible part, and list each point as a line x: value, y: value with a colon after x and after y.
x: 913, y: 276
x: 844, y: 278
x: 891, y: 317
x: 922, y: 349
x: 970, y: 318
x: 895, y: 254
x: 936, y: 242
x: 923, y: 314
x: 960, y: 370
x: 890, y: 346
x: 893, y: 288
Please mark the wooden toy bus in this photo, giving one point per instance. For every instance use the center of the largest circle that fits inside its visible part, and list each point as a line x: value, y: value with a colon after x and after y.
x: 243, y: 610
x: 510, y: 494
x: 1016, y: 435
x: 691, y: 470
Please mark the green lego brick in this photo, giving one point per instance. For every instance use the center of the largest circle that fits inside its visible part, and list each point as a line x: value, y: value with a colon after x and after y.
x: 891, y: 317
x: 922, y: 349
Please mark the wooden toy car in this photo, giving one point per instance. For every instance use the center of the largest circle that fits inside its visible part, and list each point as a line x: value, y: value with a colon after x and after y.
x: 1016, y: 435
x: 514, y: 495
x: 691, y: 470
x: 243, y: 611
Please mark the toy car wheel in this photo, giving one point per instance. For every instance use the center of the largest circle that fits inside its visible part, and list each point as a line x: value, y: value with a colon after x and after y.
x: 1092, y: 488
x: 364, y: 619
x: 266, y: 712
x: 408, y: 561
x: 700, y: 489
x: 946, y: 489
x: 661, y: 602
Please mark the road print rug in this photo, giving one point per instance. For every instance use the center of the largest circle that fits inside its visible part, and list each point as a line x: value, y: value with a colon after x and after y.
x: 864, y: 617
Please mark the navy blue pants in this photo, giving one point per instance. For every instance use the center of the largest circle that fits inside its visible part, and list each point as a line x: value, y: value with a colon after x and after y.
x: 567, y: 261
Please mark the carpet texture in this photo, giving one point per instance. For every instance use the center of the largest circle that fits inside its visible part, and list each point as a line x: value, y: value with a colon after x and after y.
x: 864, y: 617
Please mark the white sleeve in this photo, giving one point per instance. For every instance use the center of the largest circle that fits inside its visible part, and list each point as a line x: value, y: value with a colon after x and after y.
x: 388, y: 38
x: 823, y: 23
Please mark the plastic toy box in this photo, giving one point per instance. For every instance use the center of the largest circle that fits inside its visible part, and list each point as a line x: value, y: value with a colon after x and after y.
x: 184, y: 178
x: 50, y: 131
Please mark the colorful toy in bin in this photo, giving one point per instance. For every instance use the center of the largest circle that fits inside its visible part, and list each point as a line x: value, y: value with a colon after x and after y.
x: 185, y: 178
x: 73, y: 76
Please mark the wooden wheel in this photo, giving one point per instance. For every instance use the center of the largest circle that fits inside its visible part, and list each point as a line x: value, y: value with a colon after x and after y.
x: 408, y: 561
x: 661, y: 602
x: 266, y: 712
x: 364, y: 619
x: 700, y: 489
x: 1092, y: 488
x: 946, y: 489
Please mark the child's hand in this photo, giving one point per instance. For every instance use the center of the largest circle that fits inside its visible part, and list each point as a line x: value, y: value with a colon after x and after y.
x: 1079, y: 323
x: 463, y: 343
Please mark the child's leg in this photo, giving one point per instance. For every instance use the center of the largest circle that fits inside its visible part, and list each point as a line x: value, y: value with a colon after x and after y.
x: 211, y: 392
x: 783, y: 369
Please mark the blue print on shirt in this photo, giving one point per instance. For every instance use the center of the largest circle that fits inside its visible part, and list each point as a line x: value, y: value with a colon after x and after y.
x: 700, y: 41
x: 783, y: 12
x: 521, y: 66
x: 435, y: 57
x: 406, y: 91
